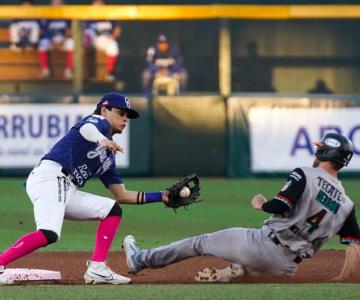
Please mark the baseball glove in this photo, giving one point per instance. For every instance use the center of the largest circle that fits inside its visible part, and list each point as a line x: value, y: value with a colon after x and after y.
x: 176, y: 200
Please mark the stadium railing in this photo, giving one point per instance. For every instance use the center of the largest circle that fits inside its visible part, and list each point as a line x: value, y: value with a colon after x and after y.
x: 177, y: 12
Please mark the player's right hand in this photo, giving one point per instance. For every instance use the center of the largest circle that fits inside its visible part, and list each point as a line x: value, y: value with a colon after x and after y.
x: 258, y: 201
x: 111, y: 145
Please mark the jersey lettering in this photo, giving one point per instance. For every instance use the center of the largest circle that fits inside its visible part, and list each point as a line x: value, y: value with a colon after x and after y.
x: 320, y: 211
x: 82, y: 158
x: 84, y: 171
x: 105, y: 166
x: 78, y: 177
x: 100, y: 152
x: 295, y: 176
x: 326, y: 201
x: 329, y: 189
x: 92, y: 120
x: 105, y: 160
x: 81, y: 174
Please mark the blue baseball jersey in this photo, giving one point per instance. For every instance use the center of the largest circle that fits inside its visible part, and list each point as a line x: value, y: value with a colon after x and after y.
x: 52, y: 28
x: 83, y: 159
x: 101, y: 27
x: 171, y: 59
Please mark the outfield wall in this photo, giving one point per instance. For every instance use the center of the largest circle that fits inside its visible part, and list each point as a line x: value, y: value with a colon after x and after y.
x: 271, y: 134
x: 29, y: 127
x: 189, y: 133
x: 244, y: 135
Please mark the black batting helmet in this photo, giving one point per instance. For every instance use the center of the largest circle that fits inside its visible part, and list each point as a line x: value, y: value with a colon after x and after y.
x: 334, y: 147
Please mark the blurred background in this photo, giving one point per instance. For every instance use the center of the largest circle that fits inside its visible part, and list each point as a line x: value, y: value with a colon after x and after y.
x: 224, y: 88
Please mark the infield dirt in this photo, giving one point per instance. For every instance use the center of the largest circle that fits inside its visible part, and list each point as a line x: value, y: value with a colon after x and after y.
x: 319, y: 269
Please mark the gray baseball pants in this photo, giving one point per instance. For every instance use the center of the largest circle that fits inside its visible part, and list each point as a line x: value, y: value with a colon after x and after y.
x: 251, y: 248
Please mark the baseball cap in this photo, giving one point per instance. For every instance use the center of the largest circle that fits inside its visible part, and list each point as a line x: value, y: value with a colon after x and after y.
x: 118, y: 100
x: 162, y: 38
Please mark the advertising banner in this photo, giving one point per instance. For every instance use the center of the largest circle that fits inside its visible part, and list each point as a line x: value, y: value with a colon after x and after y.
x: 28, y: 131
x: 281, y: 138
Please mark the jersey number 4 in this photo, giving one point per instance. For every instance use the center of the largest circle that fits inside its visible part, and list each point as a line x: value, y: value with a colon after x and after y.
x: 315, y: 220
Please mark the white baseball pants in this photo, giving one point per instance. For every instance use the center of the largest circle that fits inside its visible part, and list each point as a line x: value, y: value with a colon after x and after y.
x: 56, y: 198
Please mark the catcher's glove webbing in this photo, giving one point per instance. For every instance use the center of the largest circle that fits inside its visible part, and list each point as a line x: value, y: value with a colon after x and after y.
x: 175, y: 200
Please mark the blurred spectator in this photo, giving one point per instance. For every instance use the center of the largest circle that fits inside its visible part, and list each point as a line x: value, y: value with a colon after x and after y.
x: 103, y: 36
x: 55, y: 34
x: 163, y: 59
x: 24, y: 34
x: 320, y: 88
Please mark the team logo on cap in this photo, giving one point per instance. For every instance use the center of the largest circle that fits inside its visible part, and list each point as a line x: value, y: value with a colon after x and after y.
x: 332, y: 143
x: 127, y: 102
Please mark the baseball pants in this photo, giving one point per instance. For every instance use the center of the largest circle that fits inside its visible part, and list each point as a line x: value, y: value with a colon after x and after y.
x: 67, y: 44
x: 102, y: 42
x: 251, y: 248
x: 55, y: 198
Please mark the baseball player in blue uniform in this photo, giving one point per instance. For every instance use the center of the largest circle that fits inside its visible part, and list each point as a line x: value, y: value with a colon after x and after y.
x: 55, y: 34
x: 24, y: 33
x: 53, y: 187
x: 163, y: 56
x: 310, y: 209
x: 103, y: 35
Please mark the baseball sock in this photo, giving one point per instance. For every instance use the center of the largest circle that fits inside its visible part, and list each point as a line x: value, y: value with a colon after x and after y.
x: 69, y: 59
x: 110, y: 65
x: 44, y: 60
x: 24, y: 245
x: 104, y: 236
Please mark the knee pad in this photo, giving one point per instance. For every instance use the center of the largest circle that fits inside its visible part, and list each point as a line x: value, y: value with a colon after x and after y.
x: 50, y: 236
x: 115, y: 211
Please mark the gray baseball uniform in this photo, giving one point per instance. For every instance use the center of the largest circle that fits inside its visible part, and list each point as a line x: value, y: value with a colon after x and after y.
x: 311, y: 208
x: 317, y: 216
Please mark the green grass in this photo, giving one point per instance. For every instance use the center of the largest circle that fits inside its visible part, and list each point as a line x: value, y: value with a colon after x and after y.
x: 226, y: 204
x: 183, y: 292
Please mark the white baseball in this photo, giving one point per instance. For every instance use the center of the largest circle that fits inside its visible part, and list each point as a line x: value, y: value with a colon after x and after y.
x: 185, y: 192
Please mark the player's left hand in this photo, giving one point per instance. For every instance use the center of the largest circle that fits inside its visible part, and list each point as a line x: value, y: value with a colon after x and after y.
x: 173, y: 193
x: 258, y: 201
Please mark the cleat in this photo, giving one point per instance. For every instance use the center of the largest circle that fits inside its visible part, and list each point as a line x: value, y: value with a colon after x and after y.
x: 220, y: 275
x: 130, y: 248
x: 4, y: 280
x: 100, y: 273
